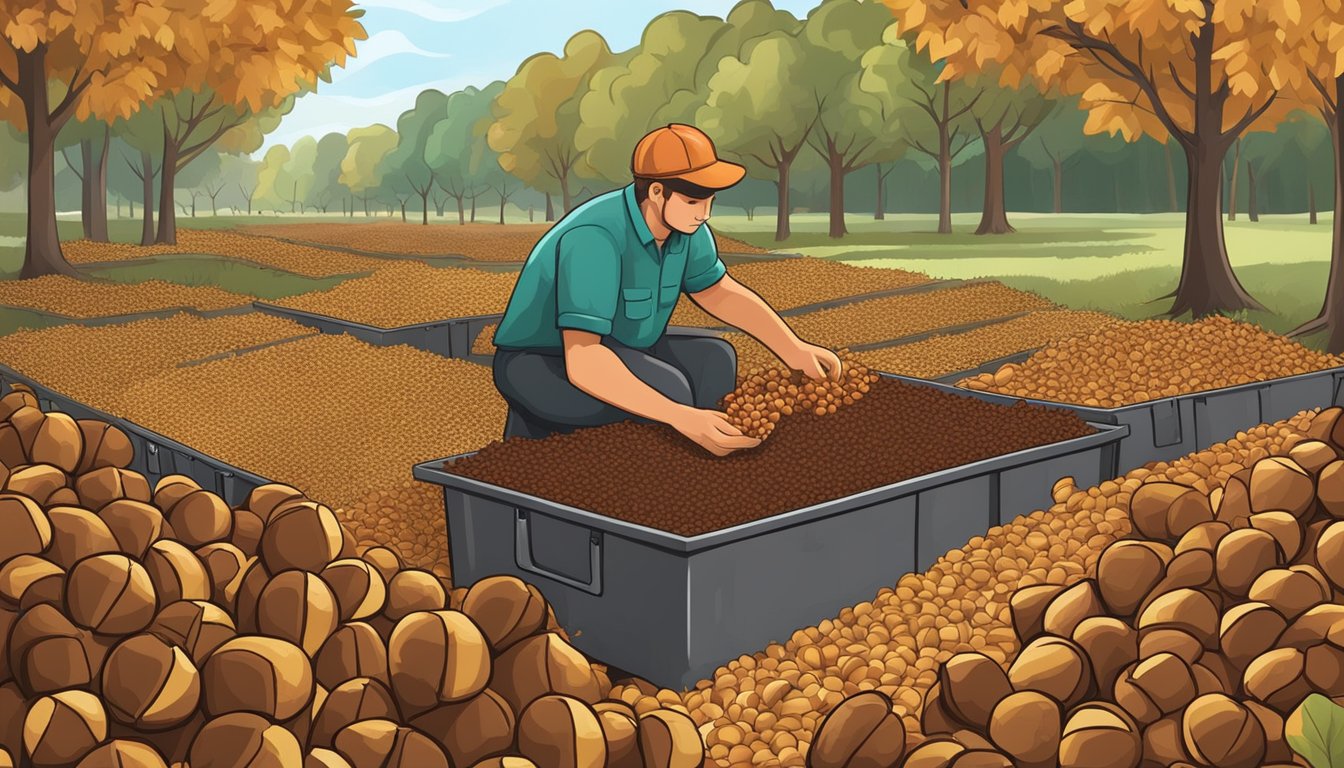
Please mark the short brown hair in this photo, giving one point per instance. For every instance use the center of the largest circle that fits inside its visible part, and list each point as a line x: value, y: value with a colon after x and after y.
x: 693, y: 191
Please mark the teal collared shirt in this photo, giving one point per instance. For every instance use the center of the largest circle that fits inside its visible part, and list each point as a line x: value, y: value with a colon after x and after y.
x: 599, y: 270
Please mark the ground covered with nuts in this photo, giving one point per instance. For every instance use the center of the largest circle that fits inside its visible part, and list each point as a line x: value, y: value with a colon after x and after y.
x: 147, y: 626
x: 406, y: 293
x: 1129, y: 363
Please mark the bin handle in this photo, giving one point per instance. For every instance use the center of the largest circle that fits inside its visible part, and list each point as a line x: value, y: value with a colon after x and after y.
x: 522, y: 553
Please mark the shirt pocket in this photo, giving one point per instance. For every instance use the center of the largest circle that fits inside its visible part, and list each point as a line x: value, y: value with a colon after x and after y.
x: 638, y: 302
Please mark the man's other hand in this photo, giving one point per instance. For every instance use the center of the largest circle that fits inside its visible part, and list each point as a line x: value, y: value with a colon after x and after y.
x: 712, y: 431
x: 814, y: 361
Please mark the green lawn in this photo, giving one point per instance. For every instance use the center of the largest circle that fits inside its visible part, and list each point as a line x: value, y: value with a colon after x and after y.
x: 1115, y: 263
x: 1118, y: 264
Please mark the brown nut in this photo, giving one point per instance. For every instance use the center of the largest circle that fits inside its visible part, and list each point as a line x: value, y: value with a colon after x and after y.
x: 1099, y: 735
x: 244, y: 740
x: 149, y: 684
x: 27, y: 580
x: 176, y: 572
x: 1279, y: 483
x: 669, y: 739
x: 27, y: 528
x: 1165, y: 511
x: 303, y: 535
x: 100, y: 487
x: 1069, y: 608
x: 972, y: 685
x: 506, y: 609
x: 1219, y: 731
x: 384, y: 744
x: 353, y: 650
x: 110, y: 594
x: 1248, y: 630
x: 354, y: 700
x: 1243, y: 555
x: 1155, y: 687
x: 104, y: 446
x: 860, y: 730
x: 47, y: 653
x: 265, y: 499
x: 123, y: 753
x: 1277, y: 678
x: 358, y: 587
x: 299, y: 607
x: 413, y: 590
x: 200, y: 518
x: 134, y: 524
x: 63, y: 727
x: 264, y: 675
x: 540, y: 665
x: 1055, y: 667
x: 1290, y: 592
x: 1028, y: 606
x: 1110, y: 644
x: 472, y: 730
x: 195, y: 626
x: 561, y: 731
x: 76, y: 534
x: 437, y: 657
x: 1028, y: 726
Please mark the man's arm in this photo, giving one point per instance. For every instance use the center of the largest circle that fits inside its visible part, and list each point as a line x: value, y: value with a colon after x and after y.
x: 741, y: 307
x: 595, y: 369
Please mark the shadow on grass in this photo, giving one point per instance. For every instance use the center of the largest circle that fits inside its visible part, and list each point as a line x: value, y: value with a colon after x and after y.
x: 980, y: 250
x: 1291, y: 293
x: 226, y: 274
x: 930, y: 237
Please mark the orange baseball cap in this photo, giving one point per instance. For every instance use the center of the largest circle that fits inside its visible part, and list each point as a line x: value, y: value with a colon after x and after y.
x: 683, y: 152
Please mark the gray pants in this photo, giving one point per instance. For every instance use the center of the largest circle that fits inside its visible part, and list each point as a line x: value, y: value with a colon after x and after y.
x: 695, y: 369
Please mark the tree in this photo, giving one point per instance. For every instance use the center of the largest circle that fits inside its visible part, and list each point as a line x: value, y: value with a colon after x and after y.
x: 537, y: 114
x: 1198, y: 70
x: 664, y: 81
x: 94, y: 138
x: 457, y: 141
x: 760, y: 111
x: 1324, y: 68
x: 934, y: 117
x: 406, y: 170
x: 854, y: 127
x: 142, y: 133
x: 1056, y: 145
x: 331, y: 150
x: 361, y: 170
x: 1004, y: 118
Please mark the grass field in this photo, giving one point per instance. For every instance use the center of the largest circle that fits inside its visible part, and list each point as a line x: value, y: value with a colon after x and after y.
x: 1114, y: 263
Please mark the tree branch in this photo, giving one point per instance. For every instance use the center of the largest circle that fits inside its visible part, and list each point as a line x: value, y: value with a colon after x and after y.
x: 1176, y: 78
x: 71, y: 165
x: 1251, y: 116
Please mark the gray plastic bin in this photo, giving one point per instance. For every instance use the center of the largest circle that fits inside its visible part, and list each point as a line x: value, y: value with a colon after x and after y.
x: 1165, y: 429
x: 672, y: 608
x: 154, y: 454
x: 451, y: 338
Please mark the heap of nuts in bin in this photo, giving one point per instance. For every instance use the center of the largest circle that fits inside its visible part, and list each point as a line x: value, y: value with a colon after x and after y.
x: 764, y: 396
x: 147, y: 626
x: 1190, y: 645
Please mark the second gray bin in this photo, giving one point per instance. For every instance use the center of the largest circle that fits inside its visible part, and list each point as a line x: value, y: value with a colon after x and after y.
x: 672, y: 608
x: 451, y: 338
x: 1165, y: 429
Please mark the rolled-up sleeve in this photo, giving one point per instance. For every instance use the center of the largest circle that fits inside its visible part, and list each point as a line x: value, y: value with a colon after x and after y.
x: 703, y: 265
x: 587, y: 280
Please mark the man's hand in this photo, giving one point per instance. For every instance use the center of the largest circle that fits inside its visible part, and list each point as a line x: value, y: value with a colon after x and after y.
x: 712, y: 431
x: 817, y: 362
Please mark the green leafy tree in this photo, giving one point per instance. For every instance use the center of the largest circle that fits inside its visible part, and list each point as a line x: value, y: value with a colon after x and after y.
x: 761, y: 109
x: 1056, y: 146
x: 458, y: 140
x: 331, y: 150
x: 406, y: 172
x: 537, y: 114
x: 934, y: 118
x: 361, y: 170
x: 94, y: 139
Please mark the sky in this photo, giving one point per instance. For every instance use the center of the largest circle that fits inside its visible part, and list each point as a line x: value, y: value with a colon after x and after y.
x: 413, y: 45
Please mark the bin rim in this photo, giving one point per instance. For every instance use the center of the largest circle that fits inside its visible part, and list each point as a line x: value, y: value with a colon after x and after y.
x: 1093, y: 412
x: 432, y: 471
x: 277, y: 309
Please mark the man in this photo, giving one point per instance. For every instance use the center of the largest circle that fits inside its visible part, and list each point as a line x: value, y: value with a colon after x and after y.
x: 583, y: 340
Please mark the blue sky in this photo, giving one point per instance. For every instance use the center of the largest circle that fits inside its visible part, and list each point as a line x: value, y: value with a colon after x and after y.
x: 450, y: 44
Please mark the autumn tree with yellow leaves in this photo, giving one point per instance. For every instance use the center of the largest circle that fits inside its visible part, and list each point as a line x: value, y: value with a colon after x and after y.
x: 1200, y: 71
x: 107, y: 59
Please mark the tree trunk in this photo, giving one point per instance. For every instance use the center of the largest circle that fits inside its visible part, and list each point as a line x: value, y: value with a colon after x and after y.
x: 86, y: 187
x: 424, y: 208
x: 167, y: 177
x: 403, y: 211
x: 994, y: 215
x: 502, y: 200
x: 147, y: 189
x: 473, y: 209
x: 1331, y: 316
x: 837, y: 206
x: 879, y: 211
x: 193, y: 205
x: 782, y: 217
x: 42, y: 250
x: 1232, y: 184
x: 550, y: 208
x: 1173, y: 204
x: 944, y: 181
x: 1059, y: 184
x: 566, y: 198
x: 1311, y: 202
x: 1252, y: 204
x: 461, y: 214
x: 1207, y: 285
x: 531, y: 213
x: 99, y: 201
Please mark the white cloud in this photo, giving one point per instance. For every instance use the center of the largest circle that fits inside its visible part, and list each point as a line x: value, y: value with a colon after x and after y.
x: 440, y: 11
x: 381, y: 45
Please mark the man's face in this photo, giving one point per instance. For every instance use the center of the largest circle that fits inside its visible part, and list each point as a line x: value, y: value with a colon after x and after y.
x: 682, y: 213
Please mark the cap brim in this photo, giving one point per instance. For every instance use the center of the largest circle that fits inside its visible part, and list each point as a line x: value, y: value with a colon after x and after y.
x: 720, y: 175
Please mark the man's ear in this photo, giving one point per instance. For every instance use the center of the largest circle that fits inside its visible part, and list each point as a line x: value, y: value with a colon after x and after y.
x: 657, y: 190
